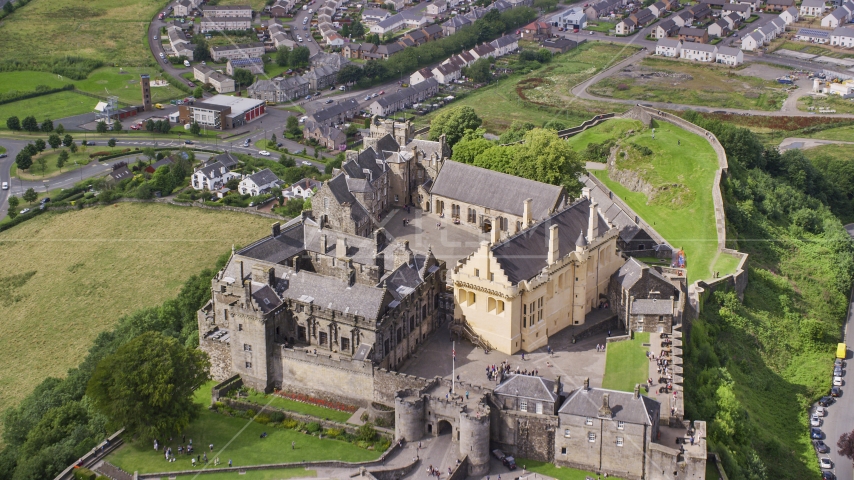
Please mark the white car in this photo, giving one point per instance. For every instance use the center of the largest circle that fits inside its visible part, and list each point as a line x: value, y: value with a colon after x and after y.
x: 825, y: 462
x: 264, y: 153
x: 837, y: 381
x: 26, y: 210
x: 306, y: 163
x: 815, y: 421
x: 5, y: 185
x: 820, y: 411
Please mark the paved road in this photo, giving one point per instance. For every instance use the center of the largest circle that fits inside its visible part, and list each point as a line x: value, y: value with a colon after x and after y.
x: 840, y: 416
x: 804, y: 143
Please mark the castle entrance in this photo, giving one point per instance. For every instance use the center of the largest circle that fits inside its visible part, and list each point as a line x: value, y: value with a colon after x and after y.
x: 444, y: 428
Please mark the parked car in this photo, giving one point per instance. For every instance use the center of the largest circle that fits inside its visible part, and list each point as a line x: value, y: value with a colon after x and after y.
x: 246, y: 143
x: 342, y: 88
x: 3, y: 155
x: 5, y: 185
x: 498, y: 454
x: 382, y: 92
x: 308, y: 97
x: 26, y: 210
x: 837, y: 371
x: 279, y: 145
x: 827, y: 475
x: 188, y: 142
x: 839, y: 362
x: 328, y: 101
x: 825, y: 462
x: 815, y: 421
x: 509, y: 462
x: 374, y: 95
x: 820, y: 411
x: 264, y: 153
x: 815, y: 433
x: 835, y: 392
x: 44, y: 200
x: 367, y: 97
x: 821, y: 447
x: 837, y: 381
x: 825, y: 401
x: 306, y: 163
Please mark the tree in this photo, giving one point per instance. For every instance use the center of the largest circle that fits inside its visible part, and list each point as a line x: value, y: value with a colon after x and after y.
x: 54, y: 141
x: 150, y: 153
x: 147, y: 385
x: 373, y: 38
x: 345, y: 31
x: 60, y: 129
x: 374, y: 69
x: 111, y: 142
x: 357, y: 29
x: 516, y: 132
x: 350, y: 74
x: 282, y: 56
x: 292, y: 127
x: 40, y: 145
x: 13, y: 123
x: 273, y: 138
x: 42, y: 161
x: 555, y: 125
x: 8, y: 7
x: 201, y: 52
x: 470, y: 146
x: 101, y: 127
x: 13, y: 206
x: 198, y: 92
x: 453, y: 124
x: 47, y: 125
x: 242, y: 78
x: 845, y: 443
x: 299, y: 57
x: 164, y: 126
x: 31, y: 149
x: 479, y: 71
x: 73, y: 147
x: 30, y: 195
x: 30, y: 124
x: 287, y: 161
x: 195, y: 129
x: 117, y: 126
x: 62, y: 159
x: 66, y: 140
x: 149, y: 125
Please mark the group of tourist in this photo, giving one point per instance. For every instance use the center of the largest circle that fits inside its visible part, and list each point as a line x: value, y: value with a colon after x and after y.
x: 169, y: 455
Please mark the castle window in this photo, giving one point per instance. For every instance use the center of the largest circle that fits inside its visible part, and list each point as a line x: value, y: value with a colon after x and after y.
x: 323, y: 337
x: 477, y: 272
x: 500, y: 306
x: 621, y: 425
x: 222, y: 288
x: 248, y: 364
x: 523, y: 406
x: 490, y: 304
x: 588, y: 421
x: 566, y: 433
x: 472, y: 215
x: 619, y: 441
x: 247, y: 347
x: 563, y: 450
x: 345, y: 344
x: 539, y: 408
x: 239, y: 327
x: 491, y: 277
x: 591, y: 437
x: 472, y: 298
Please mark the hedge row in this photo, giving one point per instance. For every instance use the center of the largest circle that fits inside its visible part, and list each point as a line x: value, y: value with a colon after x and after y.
x: 21, y: 218
x: 15, y: 96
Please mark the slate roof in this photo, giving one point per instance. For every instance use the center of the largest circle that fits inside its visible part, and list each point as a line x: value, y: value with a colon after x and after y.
x: 432, y: 30
x: 528, y: 386
x: 812, y: 3
x: 652, y: 306
x: 692, y: 32
x: 120, y: 174
x: 495, y: 190
x: 264, y: 177
x: 265, y: 297
x: 226, y: 159
x: 669, y: 42
x: 737, y: 7
x: 338, y: 187
x: 843, y: 32
x: 504, y: 41
x: 668, y: 25
x: 524, y: 255
x: 728, y: 51
x: 632, y: 271
x: 332, y: 293
x: 277, y: 249
x: 811, y: 32
x: 211, y: 170
x: 625, y: 406
x: 343, y: 107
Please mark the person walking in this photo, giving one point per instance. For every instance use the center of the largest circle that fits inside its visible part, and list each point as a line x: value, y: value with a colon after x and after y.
x: 293, y: 445
x: 229, y: 463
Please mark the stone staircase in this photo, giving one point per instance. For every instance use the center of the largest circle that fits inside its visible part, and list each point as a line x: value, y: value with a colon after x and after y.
x: 464, y: 330
x: 115, y: 473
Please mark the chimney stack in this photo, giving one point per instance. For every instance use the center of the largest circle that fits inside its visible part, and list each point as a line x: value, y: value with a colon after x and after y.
x: 592, y: 223
x: 558, y: 387
x: 554, y: 250
x: 585, y: 192
x: 526, y: 214
x: 402, y: 254
x: 242, y: 282
x: 341, y: 248
x: 323, y: 243
x: 494, y: 235
x: 605, y: 409
x: 637, y: 390
x: 586, y: 383
x: 277, y: 229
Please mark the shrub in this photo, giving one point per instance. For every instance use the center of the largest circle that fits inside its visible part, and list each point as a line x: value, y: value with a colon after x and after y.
x: 290, y: 423
x: 262, y: 419
x: 367, y: 432
x: 380, y: 422
x: 333, y: 432
x: 313, y: 427
x: 84, y: 474
x: 364, y: 417
x: 277, y: 417
x: 250, y: 413
x: 622, y: 87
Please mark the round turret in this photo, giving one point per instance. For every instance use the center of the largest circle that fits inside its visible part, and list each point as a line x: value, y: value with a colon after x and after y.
x: 409, y: 417
x: 474, y: 439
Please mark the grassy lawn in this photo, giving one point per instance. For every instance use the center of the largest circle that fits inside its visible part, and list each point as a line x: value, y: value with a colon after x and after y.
x: 81, y: 157
x: 112, y: 31
x: 614, y: 128
x: 835, y: 102
x: 276, y: 401
x: 600, y: 26
x: 257, y: 5
x: 843, y: 134
x: 683, y: 213
x: 550, y: 470
x: 274, y: 474
x: 626, y: 364
x: 725, y: 264
x: 706, y: 85
x: 53, y: 106
x: 544, y: 94
x: 123, y: 82
x: 836, y: 151
x: 237, y: 439
x: 93, y: 266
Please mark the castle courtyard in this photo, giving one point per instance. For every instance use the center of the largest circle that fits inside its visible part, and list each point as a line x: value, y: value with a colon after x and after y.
x: 449, y: 242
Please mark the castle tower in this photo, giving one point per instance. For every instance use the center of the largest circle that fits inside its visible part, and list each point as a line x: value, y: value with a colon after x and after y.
x: 474, y: 440
x: 145, y: 84
x: 409, y: 417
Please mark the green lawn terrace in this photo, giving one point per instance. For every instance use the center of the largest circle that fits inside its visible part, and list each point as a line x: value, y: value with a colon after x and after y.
x: 679, y: 167
x: 626, y: 363
x: 239, y: 440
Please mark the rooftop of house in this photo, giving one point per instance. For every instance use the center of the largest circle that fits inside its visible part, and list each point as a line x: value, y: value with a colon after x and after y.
x: 528, y: 387
x: 623, y: 406
x: 652, y: 306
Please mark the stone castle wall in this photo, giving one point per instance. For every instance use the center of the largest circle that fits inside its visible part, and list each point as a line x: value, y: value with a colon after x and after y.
x: 323, y: 376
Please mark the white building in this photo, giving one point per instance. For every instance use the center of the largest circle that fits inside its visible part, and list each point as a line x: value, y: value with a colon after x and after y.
x: 790, y: 15
x: 437, y: 8
x: 259, y: 183
x: 838, y: 17
x: 303, y: 189
x: 625, y: 27
x: 812, y: 8
x: 505, y: 45
x: 813, y: 35
x: 751, y: 41
x: 214, y: 174
x: 842, y: 37
x: 372, y: 16
x: 669, y: 47
x: 699, y: 52
x: 446, y: 73
x: 729, y: 56
x: 570, y: 19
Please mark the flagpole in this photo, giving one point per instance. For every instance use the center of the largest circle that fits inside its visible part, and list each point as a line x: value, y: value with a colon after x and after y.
x: 453, y: 366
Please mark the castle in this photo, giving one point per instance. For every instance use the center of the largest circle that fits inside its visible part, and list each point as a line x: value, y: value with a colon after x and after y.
x: 330, y: 305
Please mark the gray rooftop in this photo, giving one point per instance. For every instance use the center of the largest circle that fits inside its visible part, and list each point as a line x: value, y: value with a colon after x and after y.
x: 528, y: 386
x: 652, y: 306
x: 625, y: 406
x: 632, y: 271
x: 264, y: 177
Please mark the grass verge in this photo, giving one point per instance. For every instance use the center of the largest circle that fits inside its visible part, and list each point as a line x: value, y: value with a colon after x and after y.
x: 87, y: 268
x: 237, y: 439
x: 53, y: 106
x: 626, y: 364
x: 550, y: 470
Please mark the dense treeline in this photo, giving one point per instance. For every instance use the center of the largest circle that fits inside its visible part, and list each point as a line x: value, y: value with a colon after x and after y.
x: 56, y: 424
x: 754, y: 368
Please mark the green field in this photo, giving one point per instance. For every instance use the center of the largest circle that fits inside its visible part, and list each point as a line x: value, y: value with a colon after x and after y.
x: 836, y: 151
x: 683, y: 212
x: 274, y: 474
x: 81, y: 157
x: 84, y: 269
x: 626, y: 364
x: 237, y: 439
x: 53, y: 106
x: 550, y: 470
x: 842, y: 134
x: 545, y: 92
x: 835, y: 102
x: 810, y: 48
x: 112, y: 31
x: 105, y: 81
x: 691, y: 84
x: 614, y: 128
x: 276, y: 401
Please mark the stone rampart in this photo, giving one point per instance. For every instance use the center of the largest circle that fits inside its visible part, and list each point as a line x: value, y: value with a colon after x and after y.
x: 322, y: 375
x: 222, y: 389
x: 387, y: 383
